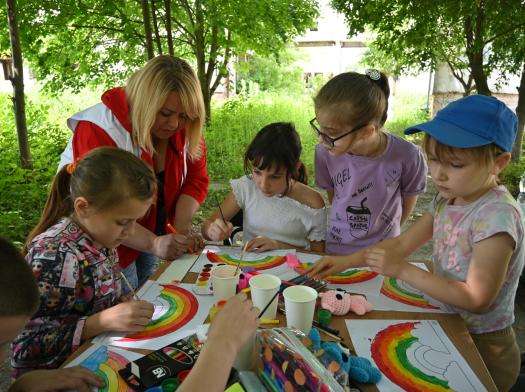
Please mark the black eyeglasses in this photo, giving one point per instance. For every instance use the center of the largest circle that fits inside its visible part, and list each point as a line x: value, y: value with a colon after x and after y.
x: 328, y: 140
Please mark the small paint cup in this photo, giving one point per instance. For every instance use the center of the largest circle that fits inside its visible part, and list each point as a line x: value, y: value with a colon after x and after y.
x: 170, y: 385
x: 224, y: 282
x: 263, y: 287
x: 299, y: 304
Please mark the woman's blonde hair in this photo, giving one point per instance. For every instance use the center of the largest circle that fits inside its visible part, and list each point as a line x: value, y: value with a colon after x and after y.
x: 147, y: 90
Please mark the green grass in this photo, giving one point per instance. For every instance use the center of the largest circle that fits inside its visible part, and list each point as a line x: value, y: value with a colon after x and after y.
x: 234, y: 122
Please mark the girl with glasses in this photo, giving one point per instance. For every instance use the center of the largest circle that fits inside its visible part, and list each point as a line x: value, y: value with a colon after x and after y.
x: 372, y: 178
x: 279, y: 209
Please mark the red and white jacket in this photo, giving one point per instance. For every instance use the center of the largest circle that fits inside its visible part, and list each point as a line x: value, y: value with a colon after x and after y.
x: 108, y: 124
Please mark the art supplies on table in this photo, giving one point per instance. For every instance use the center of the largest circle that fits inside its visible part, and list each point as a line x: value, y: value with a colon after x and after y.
x: 272, y: 262
x: 106, y: 362
x: 178, y: 312
x: 284, y: 363
x: 177, y: 269
x: 173, y: 361
x: 413, y: 355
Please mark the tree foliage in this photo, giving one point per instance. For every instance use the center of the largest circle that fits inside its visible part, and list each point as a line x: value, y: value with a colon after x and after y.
x: 474, y: 37
x: 75, y: 43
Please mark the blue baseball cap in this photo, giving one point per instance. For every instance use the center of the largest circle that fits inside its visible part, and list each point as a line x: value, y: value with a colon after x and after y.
x: 472, y: 121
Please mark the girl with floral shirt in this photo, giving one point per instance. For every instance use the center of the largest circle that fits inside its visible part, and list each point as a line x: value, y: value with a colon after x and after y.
x: 92, y: 208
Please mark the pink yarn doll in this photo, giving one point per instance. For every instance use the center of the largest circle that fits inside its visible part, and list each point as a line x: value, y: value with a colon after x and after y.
x: 339, y: 302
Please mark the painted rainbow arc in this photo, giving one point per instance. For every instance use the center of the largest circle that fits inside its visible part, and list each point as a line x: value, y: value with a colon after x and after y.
x: 389, y: 352
x: 266, y: 262
x: 182, y: 308
x: 393, y: 290
x: 106, y: 364
x: 351, y: 276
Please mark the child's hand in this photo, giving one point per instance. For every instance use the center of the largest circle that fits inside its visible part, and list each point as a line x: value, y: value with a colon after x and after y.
x: 376, y: 259
x: 218, y: 230
x: 234, y: 324
x: 131, y: 316
x: 326, y: 266
x: 196, y: 242
x: 69, y: 379
x: 261, y: 244
x: 170, y: 246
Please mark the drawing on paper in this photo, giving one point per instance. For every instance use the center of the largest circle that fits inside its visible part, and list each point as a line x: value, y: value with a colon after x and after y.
x: 401, y: 292
x: 257, y: 261
x: 354, y: 275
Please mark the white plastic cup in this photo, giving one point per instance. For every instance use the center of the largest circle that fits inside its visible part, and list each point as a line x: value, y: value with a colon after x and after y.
x: 224, y: 282
x: 299, y: 304
x: 263, y: 287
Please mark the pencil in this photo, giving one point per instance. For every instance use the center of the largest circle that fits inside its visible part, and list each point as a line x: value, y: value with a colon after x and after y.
x: 130, y: 287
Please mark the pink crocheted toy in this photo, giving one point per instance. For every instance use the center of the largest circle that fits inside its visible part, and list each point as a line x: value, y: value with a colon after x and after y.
x: 339, y: 302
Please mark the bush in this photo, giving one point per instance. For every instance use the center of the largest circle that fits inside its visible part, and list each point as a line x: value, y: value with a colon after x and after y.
x: 233, y: 125
x: 510, y: 177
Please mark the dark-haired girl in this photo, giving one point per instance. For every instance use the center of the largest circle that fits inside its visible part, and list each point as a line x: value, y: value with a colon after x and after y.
x: 92, y: 208
x: 372, y: 178
x: 279, y: 210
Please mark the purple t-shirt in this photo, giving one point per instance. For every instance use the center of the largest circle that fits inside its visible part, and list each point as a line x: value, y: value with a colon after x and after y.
x: 368, y: 193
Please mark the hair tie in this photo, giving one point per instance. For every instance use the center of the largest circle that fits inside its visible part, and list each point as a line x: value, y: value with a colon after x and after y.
x: 373, y: 74
x: 71, y: 167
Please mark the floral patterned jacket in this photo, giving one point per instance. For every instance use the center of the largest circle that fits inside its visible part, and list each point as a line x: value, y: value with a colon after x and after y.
x: 75, y: 279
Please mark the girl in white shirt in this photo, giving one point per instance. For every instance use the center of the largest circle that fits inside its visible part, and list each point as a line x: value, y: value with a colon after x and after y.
x: 279, y: 210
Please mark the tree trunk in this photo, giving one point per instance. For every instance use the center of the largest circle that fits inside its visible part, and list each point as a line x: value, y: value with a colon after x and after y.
x: 156, y: 27
x: 520, y: 111
x: 147, y: 29
x: 17, y: 81
x: 167, y: 7
x: 478, y: 73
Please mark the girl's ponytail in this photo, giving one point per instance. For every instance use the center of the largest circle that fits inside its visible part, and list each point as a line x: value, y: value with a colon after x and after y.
x: 301, y: 174
x: 381, y: 80
x: 58, y: 205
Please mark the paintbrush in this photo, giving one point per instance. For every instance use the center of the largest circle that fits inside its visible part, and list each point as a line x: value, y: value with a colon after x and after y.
x: 241, y: 259
x: 222, y: 216
x: 130, y: 287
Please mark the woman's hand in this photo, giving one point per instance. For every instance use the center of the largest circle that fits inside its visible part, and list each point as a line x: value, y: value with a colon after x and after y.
x: 196, y: 242
x: 170, y: 246
x: 131, y: 316
x: 217, y: 230
x: 261, y: 244
x: 68, y: 379
x: 234, y: 324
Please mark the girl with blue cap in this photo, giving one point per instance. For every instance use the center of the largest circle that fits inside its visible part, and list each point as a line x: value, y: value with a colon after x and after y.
x: 476, y: 226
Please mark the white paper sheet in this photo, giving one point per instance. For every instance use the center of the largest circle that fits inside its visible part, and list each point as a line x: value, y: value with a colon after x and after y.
x: 178, y: 312
x: 177, y: 269
x: 255, y: 259
x: 415, y: 353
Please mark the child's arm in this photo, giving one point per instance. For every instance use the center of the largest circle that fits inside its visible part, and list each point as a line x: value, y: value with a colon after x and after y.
x: 75, y: 378
x: 403, y: 245
x: 409, y: 202
x: 485, y: 276
x: 317, y: 246
x: 230, y: 330
x: 214, y: 228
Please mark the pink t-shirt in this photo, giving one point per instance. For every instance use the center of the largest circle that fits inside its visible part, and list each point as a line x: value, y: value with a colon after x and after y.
x: 368, y: 193
x: 456, y: 231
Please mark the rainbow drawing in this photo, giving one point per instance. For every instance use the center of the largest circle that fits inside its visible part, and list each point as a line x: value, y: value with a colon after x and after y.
x: 354, y: 275
x: 389, y: 352
x: 392, y: 289
x: 179, y: 306
x: 265, y: 262
x: 106, y: 364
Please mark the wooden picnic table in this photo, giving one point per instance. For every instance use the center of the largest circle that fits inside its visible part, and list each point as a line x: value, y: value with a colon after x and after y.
x: 452, y: 324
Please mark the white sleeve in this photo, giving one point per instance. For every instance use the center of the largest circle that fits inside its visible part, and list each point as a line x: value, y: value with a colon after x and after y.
x: 318, y: 225
x: 240, y: 189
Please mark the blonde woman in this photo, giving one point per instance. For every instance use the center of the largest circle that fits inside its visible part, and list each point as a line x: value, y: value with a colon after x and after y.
x: 158, y: 116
